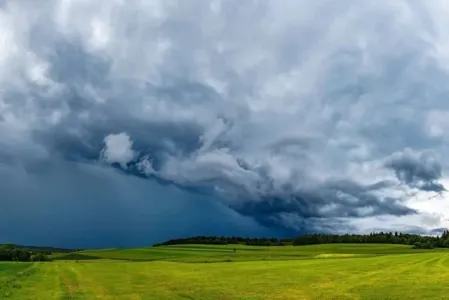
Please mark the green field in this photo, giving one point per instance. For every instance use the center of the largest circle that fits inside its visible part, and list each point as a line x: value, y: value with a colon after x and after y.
x: 338, y: 271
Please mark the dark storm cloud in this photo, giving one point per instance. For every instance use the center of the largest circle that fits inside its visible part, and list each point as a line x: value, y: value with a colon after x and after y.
x: 331, y: 200
x: 91, y: 206
x: 257, y: 105
x: 268, y: 204
x: 420, y: 170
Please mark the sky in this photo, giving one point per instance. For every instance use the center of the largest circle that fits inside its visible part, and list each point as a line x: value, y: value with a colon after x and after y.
x: 124, y: 123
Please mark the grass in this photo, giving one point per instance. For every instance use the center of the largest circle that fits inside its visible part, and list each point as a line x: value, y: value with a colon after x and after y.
x: 11, y: 276
x: 362, y: 271
x: 212, y: 253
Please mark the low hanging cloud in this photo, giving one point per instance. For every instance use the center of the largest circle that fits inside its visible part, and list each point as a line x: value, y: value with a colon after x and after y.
x: 117, y: 149
x: 274, y: 200
x: 299, y: 122
x: 420, y: 170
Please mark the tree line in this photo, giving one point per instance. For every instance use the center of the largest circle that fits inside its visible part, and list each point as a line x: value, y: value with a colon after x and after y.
x: 417, y: 241
x: 223, y: 240
x: 11, y: 252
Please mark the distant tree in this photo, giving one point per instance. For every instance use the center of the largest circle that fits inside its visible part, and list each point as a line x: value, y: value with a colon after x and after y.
x: 417, y: 241
x: 417, y: 245
x: 39, y: 256
x: 15, y: 254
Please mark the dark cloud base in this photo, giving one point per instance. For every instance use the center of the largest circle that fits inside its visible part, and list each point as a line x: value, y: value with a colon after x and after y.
x: 244, y: 117
x: 93, y: 206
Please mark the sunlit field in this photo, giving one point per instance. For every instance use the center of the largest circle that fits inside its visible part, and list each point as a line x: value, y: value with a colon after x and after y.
x: 341, y: 271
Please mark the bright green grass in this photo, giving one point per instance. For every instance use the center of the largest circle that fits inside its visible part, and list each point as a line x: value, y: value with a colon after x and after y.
x: 212, y: 253
x: 321, y: 272
x: 11, y: 276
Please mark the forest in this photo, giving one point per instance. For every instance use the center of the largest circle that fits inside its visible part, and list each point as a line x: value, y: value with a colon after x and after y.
x: 415, y: 240
x: 12, y: 252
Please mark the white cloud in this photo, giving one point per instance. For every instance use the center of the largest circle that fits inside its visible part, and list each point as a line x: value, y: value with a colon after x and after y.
x: 118, y: 149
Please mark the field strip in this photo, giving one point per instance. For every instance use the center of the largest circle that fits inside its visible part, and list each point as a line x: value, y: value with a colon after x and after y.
x: 70, y: 283
x: 99, y: 291
x: 443, y: 259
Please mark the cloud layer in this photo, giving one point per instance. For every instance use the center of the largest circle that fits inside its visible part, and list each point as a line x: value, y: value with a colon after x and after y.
x: 417, y: 170
x: 308, y: 116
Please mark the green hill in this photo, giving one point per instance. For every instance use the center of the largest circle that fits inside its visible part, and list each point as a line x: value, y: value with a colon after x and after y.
x: 226, y: 253
x: 209, y: 272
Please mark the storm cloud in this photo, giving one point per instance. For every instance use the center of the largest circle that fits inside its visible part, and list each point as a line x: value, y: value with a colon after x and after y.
x: 418, y: 170
x: 301, y: 116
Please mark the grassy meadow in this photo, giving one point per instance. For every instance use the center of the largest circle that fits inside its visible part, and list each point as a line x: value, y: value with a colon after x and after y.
x: 331, y: 271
